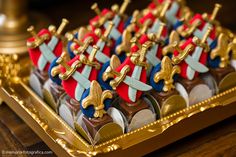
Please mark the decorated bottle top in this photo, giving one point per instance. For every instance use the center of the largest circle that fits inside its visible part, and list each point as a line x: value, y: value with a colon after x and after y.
x: 77, y: 74
x: 198, y: 25
x: 163, y: 76
x: 45, y: 46
x: 129, y: 78
x: 116, y: 14
x: 191, y: 56
x: 95, y: 102
x: 84, y: 44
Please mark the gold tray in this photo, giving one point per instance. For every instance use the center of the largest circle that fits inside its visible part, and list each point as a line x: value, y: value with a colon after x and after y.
x: 64, y: 141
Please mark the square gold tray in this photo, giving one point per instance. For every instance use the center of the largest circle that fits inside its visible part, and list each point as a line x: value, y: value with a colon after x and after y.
x: 64, y: 141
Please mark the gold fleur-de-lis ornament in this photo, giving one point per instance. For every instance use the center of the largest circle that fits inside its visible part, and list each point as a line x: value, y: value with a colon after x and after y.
x: 223, y: 49
x: 167, y: 73
x: 96, y: 99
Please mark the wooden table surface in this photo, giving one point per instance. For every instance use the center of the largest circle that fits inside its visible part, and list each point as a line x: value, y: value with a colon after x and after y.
x: 216, y: 141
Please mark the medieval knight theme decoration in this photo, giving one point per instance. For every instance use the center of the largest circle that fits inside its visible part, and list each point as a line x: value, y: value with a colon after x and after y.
x: 120, y: 73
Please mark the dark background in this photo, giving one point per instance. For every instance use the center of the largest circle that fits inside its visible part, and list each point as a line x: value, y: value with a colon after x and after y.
x: 78, y: 11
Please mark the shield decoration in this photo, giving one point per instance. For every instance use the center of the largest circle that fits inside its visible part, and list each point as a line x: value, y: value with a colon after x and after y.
x: 122, y: 88
x: 70, y: 84
x: 35, y: 53
x: 183, y: 65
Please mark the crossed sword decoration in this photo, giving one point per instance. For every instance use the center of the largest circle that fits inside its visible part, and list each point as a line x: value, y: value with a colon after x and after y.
x: 83, y: 82
x: 193, y: 28
x: 94, y: 53
x: 119, y: 12
x: 46, y: 50
x: 132, y: 81
x: 86, y: 45
x: 193, y: 60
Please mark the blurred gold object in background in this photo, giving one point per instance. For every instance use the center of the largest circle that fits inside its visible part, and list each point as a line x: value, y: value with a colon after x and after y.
x: 14, y: 20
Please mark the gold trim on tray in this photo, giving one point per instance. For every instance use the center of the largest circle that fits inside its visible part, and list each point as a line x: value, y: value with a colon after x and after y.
x: 63, y: 140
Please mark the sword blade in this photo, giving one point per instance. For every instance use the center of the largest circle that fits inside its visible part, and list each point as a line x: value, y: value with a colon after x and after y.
x: 47, y: 52
x: 115, y: 34
x: 46, y: 56
x: 85, y: 83
x: 132, y: 92
x: 155, y: 26
x: 151, y: 56
x: 53, y: 43
x: 79, y: 90
x: 42, y: 62
x: 195, y: 65
x: 137, y: 84
x: 100, y: 56
x: 200, y: 34
x: 171, y: 13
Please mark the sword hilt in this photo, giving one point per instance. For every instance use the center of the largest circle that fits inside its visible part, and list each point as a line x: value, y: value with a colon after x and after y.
x: 63, y: 62
x: 134, y: 41
x: 139, y: 57
x: 70, y: 37
x: 189, y: 31
x: 160, y: 30
x: 62, y: 26
x: 157, y: 37
x: 96, y: 9
x: 144, y: 50
x: 135, y: 16
x: 206, y: 35
x: 123, y: 7
x: 108, y: 31
x: 115, y: 8
x: 90, y: 60
x: 215, y: 12
x: 85, y: 45
x: 164, y: 9
x: 145, y: 27
x: 93, y: 53
x: 55, y: 71
x: 182, y: 53
x: 38, y: 40
x: 69, y: 69
x: 120, y: 76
